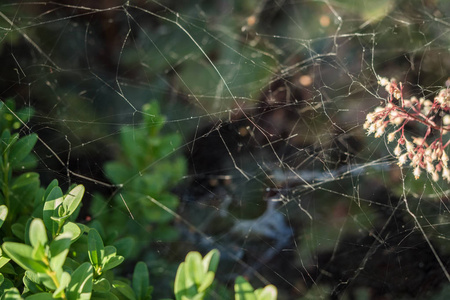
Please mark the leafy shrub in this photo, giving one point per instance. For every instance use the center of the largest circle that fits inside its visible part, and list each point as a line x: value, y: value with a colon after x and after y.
x: 45, y: 254
x: 140, y: 177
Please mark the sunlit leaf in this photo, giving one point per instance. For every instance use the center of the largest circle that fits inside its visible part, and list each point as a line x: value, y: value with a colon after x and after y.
x: 95, y: 247
x: 81, y: 283
x: 23, y: 255
x: 243, y: 289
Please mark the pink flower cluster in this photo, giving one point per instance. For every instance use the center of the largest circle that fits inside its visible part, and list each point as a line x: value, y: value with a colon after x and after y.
x: 398, y: 111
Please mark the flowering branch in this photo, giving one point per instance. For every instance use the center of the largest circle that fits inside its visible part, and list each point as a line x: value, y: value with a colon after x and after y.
x: 398, y: 111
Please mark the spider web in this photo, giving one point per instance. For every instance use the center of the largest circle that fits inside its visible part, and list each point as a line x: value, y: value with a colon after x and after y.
x: 269, y: 98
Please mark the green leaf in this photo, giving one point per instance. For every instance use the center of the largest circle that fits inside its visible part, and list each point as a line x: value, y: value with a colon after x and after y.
x: 23, y: 255
x: 123, y: 289
x: 59, y: 248
x: 40, y: 296
x: 52, y: 202
x: 2, y: 278
x: 7, y: 284
x: 80, y: 286
x: 140, y: 281
x: 72, y: 229
x: 18, y: 230
x: 209, y: 264
x: 64, y: 281
x: 3, y: 214
x: 11, y: 294
x: 194, y: 268
x: 180, y: 288
x: 96, y: 249
x: 211, y: 261
x: 243, y: 289
x: 7, y: 267
x: 32, y: 282
x: 102, y: 285
x: 22, y: 149
x: 269, y: 292
x: 73, y: 199
x: 38, y: 235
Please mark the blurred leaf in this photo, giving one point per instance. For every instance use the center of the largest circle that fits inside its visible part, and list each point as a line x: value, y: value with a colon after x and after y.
x: 102, y: 285
x: 269, y: 292
x: 123, y: 289
x: 243, y: 289
x: 21, y: 149
x: 194, y: 269
x: 18, y: 230
x: 11, y: 294
x: 140, y: 281
x: 104, y: 296
x: 40, y: 296
x: 3, y: 214
x: 64, y: 281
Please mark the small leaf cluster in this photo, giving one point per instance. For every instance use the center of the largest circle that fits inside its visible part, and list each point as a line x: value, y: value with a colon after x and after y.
x: 195, y: 277
x: 140, y: 177
x: 44, y: 253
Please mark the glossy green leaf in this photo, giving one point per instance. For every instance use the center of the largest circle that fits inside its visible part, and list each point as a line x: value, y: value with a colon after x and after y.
x: 59, y: 248
x: 81, y: 283
x: 23, y: 255
x: 21, y: 149
x: 140, y: 281
x: 73, y: 199
x: 52, y: 202
x: 269, y: 292
x: 37, y: 233
x: 3, y: 214
x: 243, y: 289
x: 2, y: 278
x: 112, y: 262
x: 96, y: 249
x: 73, y: 229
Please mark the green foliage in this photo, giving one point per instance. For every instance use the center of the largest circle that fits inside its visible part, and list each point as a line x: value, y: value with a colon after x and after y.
x: 195, y: 277
x: 44, y: 254
x: 139, y: 174
x: 244, y: 291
